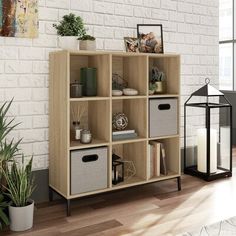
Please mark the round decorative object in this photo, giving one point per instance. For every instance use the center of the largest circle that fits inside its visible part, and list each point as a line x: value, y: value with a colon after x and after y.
x: 116, y: 92
x: 120, y: 121
x: 130, y: 92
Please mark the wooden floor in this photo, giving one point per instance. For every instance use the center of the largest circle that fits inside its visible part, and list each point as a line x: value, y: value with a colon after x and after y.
x: 155, y: 209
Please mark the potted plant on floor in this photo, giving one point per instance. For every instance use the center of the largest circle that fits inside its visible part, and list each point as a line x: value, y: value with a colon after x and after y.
x: 15, y: 183
x: 69, y: 29
x: 87, y: 42
x: 3, y: 216
x: 8, y: 150
x: 19, y: 188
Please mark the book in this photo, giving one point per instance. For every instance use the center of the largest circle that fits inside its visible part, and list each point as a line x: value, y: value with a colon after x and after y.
x: 149, y: 162
x: 156, y: 157
x: 124, y: 136
x: 163, y: 167
x: 150, y: 167
x: 128, y: 131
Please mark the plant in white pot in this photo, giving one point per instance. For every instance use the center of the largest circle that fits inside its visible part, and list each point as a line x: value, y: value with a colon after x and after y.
x: 87, y: 42
x: 19, y: 188
x: 8, y: 150
x: 4, y: 221
x: 69, y: 29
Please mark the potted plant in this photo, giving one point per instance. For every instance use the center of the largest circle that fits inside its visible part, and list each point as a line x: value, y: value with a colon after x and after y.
x: 158, y: 81
x: 19, y: 187
x: 8, y: 150
x: 15, y: 182
x: 69, y: 29
x: 152, y: 88
x: 3, y: 216
x: 87, y: 42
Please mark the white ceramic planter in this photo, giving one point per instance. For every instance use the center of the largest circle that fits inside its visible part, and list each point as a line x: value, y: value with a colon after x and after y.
x: 68, y: 42
x: 21, y: 218
x: 89, y: 45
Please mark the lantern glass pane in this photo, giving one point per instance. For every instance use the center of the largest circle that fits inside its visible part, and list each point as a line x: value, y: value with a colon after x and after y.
x: 224, y: 138
x: 195, y: 126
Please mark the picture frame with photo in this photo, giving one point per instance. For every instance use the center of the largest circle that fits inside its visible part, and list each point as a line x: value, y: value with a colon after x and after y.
x: 150, y: 38
x: 131, y: 44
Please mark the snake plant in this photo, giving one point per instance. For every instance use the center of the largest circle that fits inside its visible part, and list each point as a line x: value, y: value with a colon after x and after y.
x: 19, y: 182
x: 8, y: 149
x: 3, y: 216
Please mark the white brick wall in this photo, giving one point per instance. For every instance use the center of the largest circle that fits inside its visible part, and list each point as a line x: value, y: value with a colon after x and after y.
x: 190, y: 28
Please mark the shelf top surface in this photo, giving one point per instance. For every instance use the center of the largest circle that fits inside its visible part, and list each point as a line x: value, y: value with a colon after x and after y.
x: 116, y: 53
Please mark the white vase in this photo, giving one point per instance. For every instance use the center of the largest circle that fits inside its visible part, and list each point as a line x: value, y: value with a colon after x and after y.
x: 68, y: 42
x: 21, y: 218
x: 89, y: 45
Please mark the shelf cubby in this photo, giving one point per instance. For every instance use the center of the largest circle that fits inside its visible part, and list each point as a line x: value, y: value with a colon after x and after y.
x: 101, y: 62
x: 135, y: 152
x: 171, y: 67
x: 172, y: 151
x: 136, y: 111
x: 132, y: 69
x: 95, y: 118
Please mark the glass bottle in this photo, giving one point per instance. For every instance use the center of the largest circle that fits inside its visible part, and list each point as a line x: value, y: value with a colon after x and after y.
x: 77, y: 130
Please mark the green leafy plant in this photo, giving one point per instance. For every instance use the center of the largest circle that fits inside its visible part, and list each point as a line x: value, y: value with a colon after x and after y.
x: 70, y: 25
x: 3, y: 216
x: 87, y: 37
x: 19, y: 182
x: 8, y: 149
x: 157, y: 75
x: 152, y: 86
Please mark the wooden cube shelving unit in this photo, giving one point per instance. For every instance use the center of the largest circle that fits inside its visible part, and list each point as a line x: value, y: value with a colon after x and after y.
x: 134, y: 67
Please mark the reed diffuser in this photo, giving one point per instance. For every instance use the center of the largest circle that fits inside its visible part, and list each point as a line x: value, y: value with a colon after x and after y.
x: 77, y: 112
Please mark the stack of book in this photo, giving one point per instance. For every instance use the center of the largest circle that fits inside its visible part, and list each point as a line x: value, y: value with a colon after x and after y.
x: 156, y: 160
x: 124, y: 134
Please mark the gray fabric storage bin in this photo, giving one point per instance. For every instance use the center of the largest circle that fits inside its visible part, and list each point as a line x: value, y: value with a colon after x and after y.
x: 162, y: 117
x: 88, y: 170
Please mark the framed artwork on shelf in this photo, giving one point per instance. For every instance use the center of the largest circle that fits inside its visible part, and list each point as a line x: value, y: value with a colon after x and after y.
x: 150, y: 38
x: 131, y: 44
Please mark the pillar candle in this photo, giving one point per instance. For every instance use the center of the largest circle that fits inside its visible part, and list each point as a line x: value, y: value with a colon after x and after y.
x: 202, y: 150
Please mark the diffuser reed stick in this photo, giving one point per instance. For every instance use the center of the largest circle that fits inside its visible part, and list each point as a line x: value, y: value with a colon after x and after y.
x: 77, y: 111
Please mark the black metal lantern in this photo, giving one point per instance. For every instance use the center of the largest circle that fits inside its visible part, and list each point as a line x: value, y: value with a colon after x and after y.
x: 117, y: 169
x: 208, y: 134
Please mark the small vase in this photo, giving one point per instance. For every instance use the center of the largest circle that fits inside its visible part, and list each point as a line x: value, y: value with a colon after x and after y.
x: 76, y: 90
x: 77, y: 130
x: 89, y: 45
x: 160, y: 87
x: 88, y: 78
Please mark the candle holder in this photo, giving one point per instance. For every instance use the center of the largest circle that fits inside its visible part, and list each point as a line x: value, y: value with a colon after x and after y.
x: 117, y: 169
x: 208, y: 134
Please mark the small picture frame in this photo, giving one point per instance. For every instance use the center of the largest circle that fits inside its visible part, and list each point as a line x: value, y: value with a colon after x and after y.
x: 150, y: 38
x: 131, y: 44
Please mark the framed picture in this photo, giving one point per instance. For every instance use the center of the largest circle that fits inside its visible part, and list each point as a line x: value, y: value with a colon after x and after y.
x: 150, y: 38
x: 19, y: 18
x: 131, y: 44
